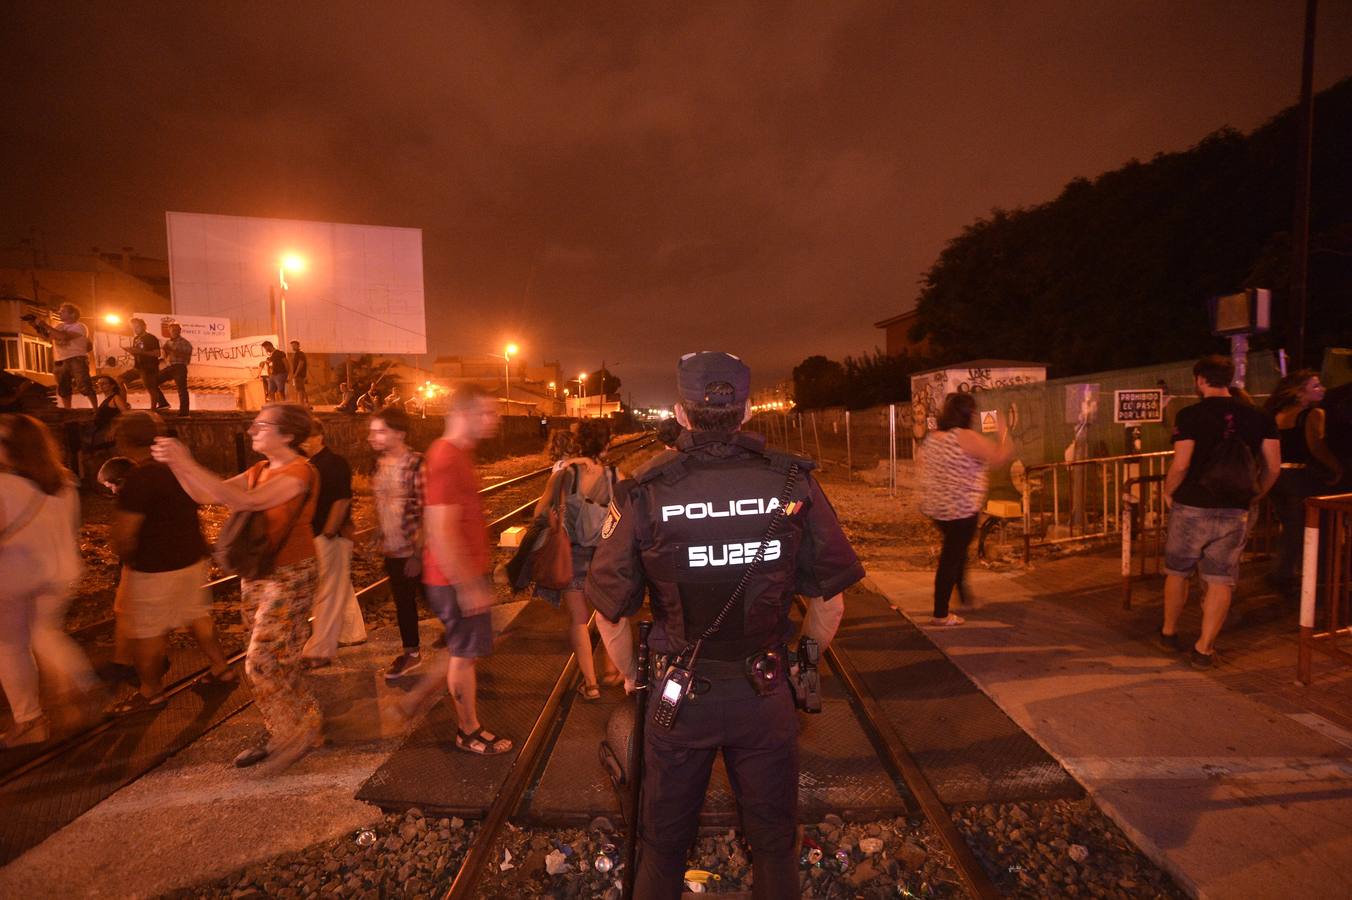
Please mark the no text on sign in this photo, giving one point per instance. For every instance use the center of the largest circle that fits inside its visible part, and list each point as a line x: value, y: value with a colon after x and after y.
x: 1138, y: 406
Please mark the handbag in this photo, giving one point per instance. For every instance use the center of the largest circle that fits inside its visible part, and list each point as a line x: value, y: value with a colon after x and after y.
x: 552, y: 563
x: 243, y: 547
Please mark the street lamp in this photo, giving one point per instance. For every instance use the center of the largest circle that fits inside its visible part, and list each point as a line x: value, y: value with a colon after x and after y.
x: 582, y: 387
x: 293, y: 263
x: 112, y: 319
x: 507, y: 373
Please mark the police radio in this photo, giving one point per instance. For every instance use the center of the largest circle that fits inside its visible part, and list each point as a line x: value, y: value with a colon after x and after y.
x: 674, y: 689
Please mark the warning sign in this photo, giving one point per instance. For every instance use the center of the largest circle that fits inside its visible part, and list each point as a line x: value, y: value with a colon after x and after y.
x: 989, y: 421
x: 1137, y: 407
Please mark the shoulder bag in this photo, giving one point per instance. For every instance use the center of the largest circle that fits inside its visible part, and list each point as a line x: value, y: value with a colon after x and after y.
x: 552, y: 563
x: 243, y: 547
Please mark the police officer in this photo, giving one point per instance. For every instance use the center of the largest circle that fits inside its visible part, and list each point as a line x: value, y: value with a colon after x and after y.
x: 686, y: 528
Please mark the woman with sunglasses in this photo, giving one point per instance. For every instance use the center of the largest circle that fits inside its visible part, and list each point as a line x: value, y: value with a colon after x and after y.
x: 276, y: 607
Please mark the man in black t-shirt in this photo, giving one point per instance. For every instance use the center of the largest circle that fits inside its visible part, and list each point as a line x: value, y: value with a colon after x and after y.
x: 164, y: 570
x: 337, y: 614
x: 1207, y: 527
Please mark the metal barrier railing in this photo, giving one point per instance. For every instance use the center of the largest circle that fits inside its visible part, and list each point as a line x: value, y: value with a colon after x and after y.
x: 1142, y: 525
x: 1078, y: 513
x: 1328, y: 527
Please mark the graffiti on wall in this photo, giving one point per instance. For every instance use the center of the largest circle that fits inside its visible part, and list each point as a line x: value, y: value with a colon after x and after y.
x: 928, y: 390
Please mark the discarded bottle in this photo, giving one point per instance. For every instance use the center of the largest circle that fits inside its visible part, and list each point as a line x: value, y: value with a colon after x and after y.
x: 366, y: 837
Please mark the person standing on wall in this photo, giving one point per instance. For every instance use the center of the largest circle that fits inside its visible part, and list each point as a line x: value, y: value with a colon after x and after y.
x: 398, y: 489
x: 177, y: 356
x: 277, y: 371
x: 145, y: 354
x: 300, y: 372
x: 70, y: 353
x: 338, y: 618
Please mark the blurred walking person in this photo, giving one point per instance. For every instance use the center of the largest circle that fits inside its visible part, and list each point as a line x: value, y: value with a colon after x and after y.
x: 177, y: 355
x: 158, y: 535
x: 398, y: 490
x: 456, y: 559
x: 585, y: 486
x: 1308, y: 466
x: 40, y: 559
x: 276, y: 607
x: 337, y: 615
x: 953, y: 463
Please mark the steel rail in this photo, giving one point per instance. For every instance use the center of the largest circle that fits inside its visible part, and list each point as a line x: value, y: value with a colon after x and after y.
x: 894, y: 753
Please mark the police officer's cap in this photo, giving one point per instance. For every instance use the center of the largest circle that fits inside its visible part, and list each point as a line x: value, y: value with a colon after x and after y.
x: 704, y: 377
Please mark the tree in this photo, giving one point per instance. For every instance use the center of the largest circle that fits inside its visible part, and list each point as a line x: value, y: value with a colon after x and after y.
x: 1115, y: 272
x: 818, y: 382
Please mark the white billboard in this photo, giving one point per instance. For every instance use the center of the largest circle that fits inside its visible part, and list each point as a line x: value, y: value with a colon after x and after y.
x: 349, y: 288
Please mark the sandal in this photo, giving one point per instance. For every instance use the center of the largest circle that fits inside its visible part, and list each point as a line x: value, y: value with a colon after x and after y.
x: 480, y: 742
x: 949, y: 621
x: 226, y: 677
x: 589, y: 693
x: 138, y: 703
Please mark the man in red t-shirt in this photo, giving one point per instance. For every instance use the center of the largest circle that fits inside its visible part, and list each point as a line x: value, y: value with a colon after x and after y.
x: 455, y: 558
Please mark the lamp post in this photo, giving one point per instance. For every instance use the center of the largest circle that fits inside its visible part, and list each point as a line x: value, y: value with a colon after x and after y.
x: 507, y: 373
x: 582, y: 388
x: 293, y: 263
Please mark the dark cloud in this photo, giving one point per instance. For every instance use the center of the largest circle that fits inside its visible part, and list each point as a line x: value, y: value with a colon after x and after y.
x: 626, y: 181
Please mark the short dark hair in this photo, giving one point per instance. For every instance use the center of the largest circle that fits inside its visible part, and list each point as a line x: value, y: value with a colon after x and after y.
x: 294, y: 421
x: 394, y: 418
x: 713, y: 417
x: 134, y: 319
x: 269, y: 344
x: 957, y: 412
x: 465, y: 396
x: 137, y: 428
x: 1216, y: 370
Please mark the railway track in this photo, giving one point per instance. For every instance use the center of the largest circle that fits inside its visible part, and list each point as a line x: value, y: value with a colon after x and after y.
x: 222, y: 588
x: 893, y: 756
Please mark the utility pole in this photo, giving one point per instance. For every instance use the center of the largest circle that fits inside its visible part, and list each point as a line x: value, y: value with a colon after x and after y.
x: 1300, y: 232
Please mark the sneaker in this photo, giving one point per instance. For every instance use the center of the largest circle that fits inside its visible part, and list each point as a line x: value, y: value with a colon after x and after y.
x: 402, y: 665
x: 1199, y: 660
x: 1168, y: 642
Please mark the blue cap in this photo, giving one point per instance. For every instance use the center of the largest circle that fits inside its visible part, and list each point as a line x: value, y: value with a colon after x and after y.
x: 700, y: 378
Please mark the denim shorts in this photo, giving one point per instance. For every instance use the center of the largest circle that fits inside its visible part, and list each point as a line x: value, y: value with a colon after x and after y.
x: 1207, y: 540
x: 582, y: 557
x: 467, y: 637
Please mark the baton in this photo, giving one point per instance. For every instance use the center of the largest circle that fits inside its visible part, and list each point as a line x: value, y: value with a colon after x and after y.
x: 636, y: 764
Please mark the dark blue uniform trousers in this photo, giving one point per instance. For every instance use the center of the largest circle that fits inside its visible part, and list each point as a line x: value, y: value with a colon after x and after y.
x: 759, y: 739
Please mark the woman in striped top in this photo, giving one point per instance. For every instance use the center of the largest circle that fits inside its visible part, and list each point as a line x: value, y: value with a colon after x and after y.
x: 953, y: 464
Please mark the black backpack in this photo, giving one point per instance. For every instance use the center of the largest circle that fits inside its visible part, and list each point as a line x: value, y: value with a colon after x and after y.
x: 1230, y: 474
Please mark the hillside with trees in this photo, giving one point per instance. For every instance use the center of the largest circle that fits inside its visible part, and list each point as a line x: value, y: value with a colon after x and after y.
x: 1115, y: 271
